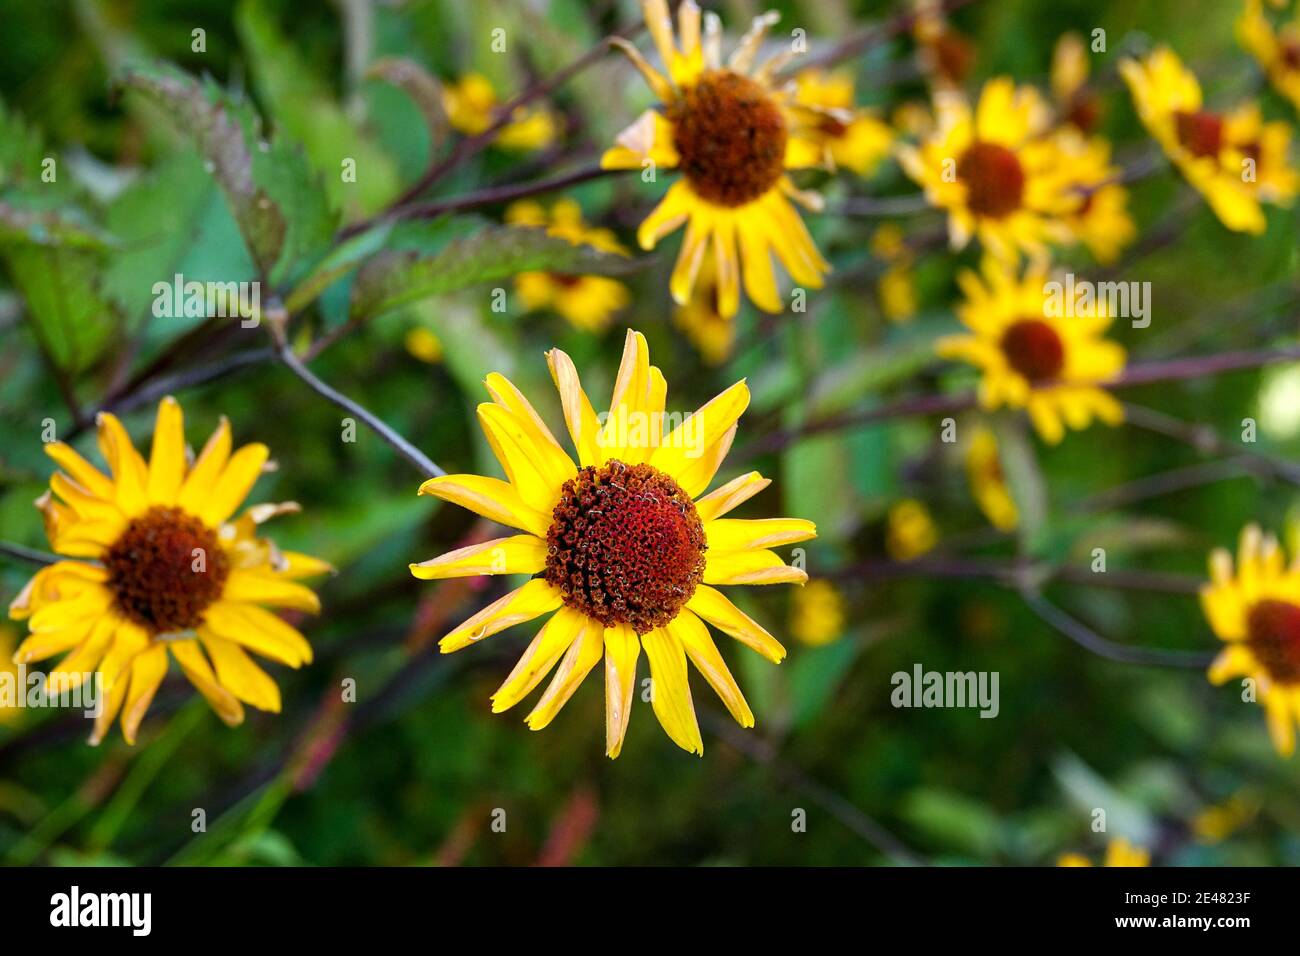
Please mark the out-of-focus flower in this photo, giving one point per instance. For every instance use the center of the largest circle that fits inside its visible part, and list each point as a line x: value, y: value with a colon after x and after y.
x: 588, y: 302
x: 1030, y: 356
x: 1277, y: 50
x: 850, y: 137
x: 996, y: 171
x: 1119, y: 852
x: 1234, y: 160
x: 897, y: 288
x: 712, y: 333
x: 470, y: 104
x: 9, y: 671
x: 909, y: 530
x: 945, y: 54
x: 620, y: 545
x: 913, y: 118
x: 175, y: 574
x: 1255, y: 608
x: 421, y: 343
x: 988, y: 483
x: 1076, y: 104
x: 733, y: 133
x: 817, y: 614
x: 1100, y: 220
x: 1216, y: 823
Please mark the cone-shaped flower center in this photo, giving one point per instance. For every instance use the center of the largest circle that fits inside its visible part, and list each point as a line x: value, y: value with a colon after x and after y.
x: 165, y: 569
x: 994, y: 178
x: 730, y: 136
x: 1201, y: 132
x: 1034, y: 349
x: 626, y: 545
x: 1273, y: 634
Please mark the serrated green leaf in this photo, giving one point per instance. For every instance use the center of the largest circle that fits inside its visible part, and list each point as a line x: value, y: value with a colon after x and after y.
x: 338, y: 263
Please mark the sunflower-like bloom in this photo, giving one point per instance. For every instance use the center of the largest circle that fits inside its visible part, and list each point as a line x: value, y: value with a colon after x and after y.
x: 470, y: 103
x: 1255, y: 608
x: 1276, y: 50
x: 173, y: 573
x: 588, y: 302
x: 1033, y: 355
x: 733, y: 134
x: 850, y: 137
x: 1119, y: 852
x: 620, y: 545
x: 996, y: 171
x: 988, y: 482
x: 817, y: 614
x: 1234, y: 160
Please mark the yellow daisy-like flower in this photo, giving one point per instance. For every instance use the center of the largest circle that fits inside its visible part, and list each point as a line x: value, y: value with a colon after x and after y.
x: 1075, y: 103
x: 620, y: 544
x: 588, y: 302
x: 1119, y: 852
x: 1030, y: 356
x: 1100, y: 220
x: 909, y: 530
x: 817, y: 614
x: 172, y: 573
x: 1255, y: 608
x: 1217, y: 822
x: 897, y: 287
x: 733, y: 134
x: 1235, y: 160
x: 1277, y: 51
x: 996, y: 171
x: 850, y: 137
x: 988, y: 482
x: 712, y: 333
x: 470, y: 103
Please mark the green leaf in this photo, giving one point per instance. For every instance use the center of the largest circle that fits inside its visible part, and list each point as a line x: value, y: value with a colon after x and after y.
x: 340, y: 261
x: 60, y: 285
x: 396, y: 277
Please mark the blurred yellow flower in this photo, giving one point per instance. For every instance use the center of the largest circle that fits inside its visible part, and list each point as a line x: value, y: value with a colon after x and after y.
x: 945, y: 55
x: 470, y: 103
x: 8, y: 638
x: 997, y: 171
x: 817, y: 614
x: 1277, y: 51
x: 423, y: 344
x: 1255, y: 608
x: 851, y: 137
x: 733, y: 132
x: 1100, y: 218
x: 988, y: 484
x: 1216, y: 823
x: 174, y: 574
x: 1119, y: 852
x: 1032, y: 358
x: 909, y: 530
x: 619, y: 545
x: 1075, y: 103
x: 1234, y: 160
x: 896, y: 287
x: 588, y: 302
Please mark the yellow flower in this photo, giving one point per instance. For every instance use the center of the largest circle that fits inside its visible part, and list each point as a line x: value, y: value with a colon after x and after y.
x: 1032, y: 357
x: 712, y: 334
x: 588, y: 302
x: 424, y: 345
x: 1100, y: 219
x: 910, y: 531
x: 174, y: 574
x: 1278, y: 51
x: 996, y: 171
x: 817, y: 614
x: 944, y: 54
x: 850, y: 137
x: 1256, y: 610
x: 1119, y: 852
x: 471, y: 102
x: 8, y: 711
x: 732, y: 133
x: 1216, y: 823
x: 1075, y: 103
x: 620, y: 545
x: 1235, y: 161
x: 897, y: 288
x: 988, y: 483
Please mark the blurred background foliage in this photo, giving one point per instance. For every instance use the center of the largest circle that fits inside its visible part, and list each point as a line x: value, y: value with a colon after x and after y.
x: 412, y: 772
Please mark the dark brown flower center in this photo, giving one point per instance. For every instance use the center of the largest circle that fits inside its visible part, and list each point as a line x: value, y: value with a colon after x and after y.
x: 1034, y: 349
x: 1273, y: 635
x: 1084, y: 111
x: 730, y: 137
x: 953, y: 56
x: 626, y: 545
x: 165, y: 569
x: 1290, y: 54
x: 994, y: 178
x: 1201, y: 132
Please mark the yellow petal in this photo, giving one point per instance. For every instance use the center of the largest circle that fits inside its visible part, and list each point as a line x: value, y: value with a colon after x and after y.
x: 257, y: 587
x: 82, y: 471
x: 521, y: 554
x: 583, y: 654
x: 621, y: 651
x: 167, y: 459
x: 738, y: 534
x: 546, y: 648
x: 749, y: 567
x: 129, y: 472
x: 237, y: 673
x: 190, y: 657
x: 707, y: 425
x: 731, y: 495
x: 259, y: 630
x: 523, y: 604
x: 88, y: 605
x: 490, y: 497
x: 717, y: 609
x: 236, y: 481
x: 670, y: 691
x: 699, y: 646
x: 148, y: 668
x: 198, y: 484
x: 578, y: 412
x: 535, y: 472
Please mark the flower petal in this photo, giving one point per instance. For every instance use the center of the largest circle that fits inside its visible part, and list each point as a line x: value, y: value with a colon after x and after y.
x: 583, y: 654
x: 546, y: 648
x: 237, y: 673
x: 717, y: 609
x: 739, y: 534
x: 535, y: 598
x: 731, y: 495
x: 190, y: 657
x: 236, y: 481
x: 699, y: 647
x: 670, y: 694
x: 148, y: 668
x: 749, y: 567
x: 167, y: 458
x: 621, y: 651
x: 258, y: 587
x: 490, y: 497
x: 521, y: 554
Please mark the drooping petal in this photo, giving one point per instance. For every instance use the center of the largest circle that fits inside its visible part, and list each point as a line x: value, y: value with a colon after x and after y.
x: 717, y: 609
x: 148, y: 668
x: 621, y: 651
x: 749, y: 567
x: 196, y: 667
x: 699, y: 646
x: 671, y: 692
x: 521, y: 554
x: 583, y: 655
x: 490, y: 497
x: 546, y: 648
x: 535, y: 598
